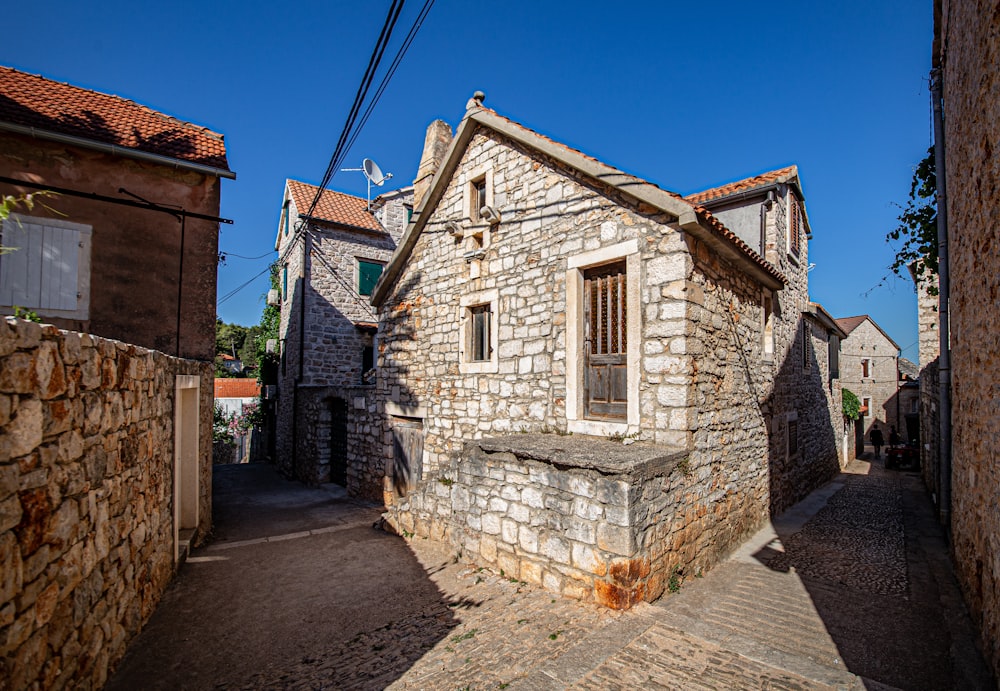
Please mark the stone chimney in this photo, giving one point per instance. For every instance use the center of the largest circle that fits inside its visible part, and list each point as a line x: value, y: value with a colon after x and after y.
x: 435, y: 147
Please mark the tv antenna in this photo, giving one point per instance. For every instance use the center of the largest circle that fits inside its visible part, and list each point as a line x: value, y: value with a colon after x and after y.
x: 373, y: 174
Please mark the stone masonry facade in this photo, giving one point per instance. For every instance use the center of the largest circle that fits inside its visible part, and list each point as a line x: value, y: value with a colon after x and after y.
x: 322, y: 268
x: 87, y: 535
x: 969, y: 37
x: 879, y: 385
x: 755, y: 434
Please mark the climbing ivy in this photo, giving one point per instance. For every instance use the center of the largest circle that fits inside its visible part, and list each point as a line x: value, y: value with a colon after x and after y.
x: 918, y: 226
x: 850, y: 404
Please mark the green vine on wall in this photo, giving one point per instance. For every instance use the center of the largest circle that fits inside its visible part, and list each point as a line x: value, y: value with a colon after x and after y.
x: 850, y: 405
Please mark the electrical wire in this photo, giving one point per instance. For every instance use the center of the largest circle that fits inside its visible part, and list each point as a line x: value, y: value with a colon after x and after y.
x: 240, y: 256
x: 418, y: 22
x: 373, y: 63
x: 233, y: 292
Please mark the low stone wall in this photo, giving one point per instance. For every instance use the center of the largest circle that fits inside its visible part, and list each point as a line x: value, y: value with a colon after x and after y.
x: 86, y: 499
x: 584, y: 517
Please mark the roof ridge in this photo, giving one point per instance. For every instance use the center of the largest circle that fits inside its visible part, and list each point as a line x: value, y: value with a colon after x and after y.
x: 742, y: 184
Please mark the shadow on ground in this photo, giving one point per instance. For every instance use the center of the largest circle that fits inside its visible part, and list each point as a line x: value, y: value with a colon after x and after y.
x: 294, y: 585
x: 874, y: 562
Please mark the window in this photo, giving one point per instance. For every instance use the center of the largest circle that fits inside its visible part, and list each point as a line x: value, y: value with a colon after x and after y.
x: 50, y: 270
x: 865, y: 368
x: 606, y: 350
x: 767, y: 346
x: 793, y: 435
x: 368, y: 273
x: 409, y: 214
x: 367, y: 360
x: 834, y: 348
x: 286, y: 212
x: 481, y: 316
x: 478, y: 194
x: 284, y: 282
x: 915, y: 405
x: 866, y: 403
x: 794, y: 224
x: 478, y: 338
x: 806, y: 346
x: 603, y: 332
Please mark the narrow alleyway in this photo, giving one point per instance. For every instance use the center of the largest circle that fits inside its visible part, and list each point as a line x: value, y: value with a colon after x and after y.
x: 851, y: 589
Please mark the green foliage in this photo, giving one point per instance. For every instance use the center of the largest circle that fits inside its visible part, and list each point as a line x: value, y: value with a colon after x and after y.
x: 10, y: 203
x: 26, y: 314
x: 674, y: 583
x: 850, y: 404
x: 917, y: 227
x: 270, y: 322
x: 221, y: 423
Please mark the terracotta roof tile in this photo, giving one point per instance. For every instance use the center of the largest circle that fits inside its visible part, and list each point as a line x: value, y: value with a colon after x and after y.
x: 849, y: 324
x: 31, y: 100
x: 236, y: 388
x: 742, y: 185
x: 333, y: 207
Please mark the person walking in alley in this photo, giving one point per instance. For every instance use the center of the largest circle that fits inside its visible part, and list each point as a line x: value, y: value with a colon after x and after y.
x: 876, y: 437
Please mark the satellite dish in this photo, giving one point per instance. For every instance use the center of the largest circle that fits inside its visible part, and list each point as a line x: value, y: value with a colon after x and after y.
x: 373, y: 172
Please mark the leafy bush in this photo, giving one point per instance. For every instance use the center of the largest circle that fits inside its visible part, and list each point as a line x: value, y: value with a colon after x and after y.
x: 850, y: 404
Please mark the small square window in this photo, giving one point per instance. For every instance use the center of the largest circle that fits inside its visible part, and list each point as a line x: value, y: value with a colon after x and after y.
x: 368, y: 273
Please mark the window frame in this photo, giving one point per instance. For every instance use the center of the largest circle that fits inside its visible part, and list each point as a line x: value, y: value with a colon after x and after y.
x: 576, y: 420
x: 358, y: 261
x: 489, y: 301
x: 795, y: 225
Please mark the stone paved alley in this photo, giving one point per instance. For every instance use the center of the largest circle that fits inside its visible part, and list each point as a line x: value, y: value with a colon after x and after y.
x: 851, y: 589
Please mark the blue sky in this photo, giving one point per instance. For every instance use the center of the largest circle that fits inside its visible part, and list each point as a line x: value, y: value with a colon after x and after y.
x: 686, y: 95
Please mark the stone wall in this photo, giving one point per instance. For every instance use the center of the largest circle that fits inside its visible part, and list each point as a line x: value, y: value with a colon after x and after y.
x: 970, y: 35
x: 86, y: 498
x: 928, y: 330
x: 704, y: 384
x: 867, y: 342
x: 584, y: 517
x: 364, y: 439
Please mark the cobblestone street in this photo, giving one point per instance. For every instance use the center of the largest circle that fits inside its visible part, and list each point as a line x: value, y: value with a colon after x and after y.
x: 851, y: 589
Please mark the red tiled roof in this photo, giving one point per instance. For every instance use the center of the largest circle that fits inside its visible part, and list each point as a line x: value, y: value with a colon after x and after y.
x: 849, y: 324
x: 236, y: 388
x: 742, y: 185
x: 334, y: 207
x: 31, y: 100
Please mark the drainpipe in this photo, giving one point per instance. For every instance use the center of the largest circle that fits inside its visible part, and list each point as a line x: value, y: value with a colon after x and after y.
x: 944, y: 293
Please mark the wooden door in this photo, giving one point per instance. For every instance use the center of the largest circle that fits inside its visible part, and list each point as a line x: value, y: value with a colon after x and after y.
x: 338, y: 441
x: 606, y: 344
x: 407, y: 454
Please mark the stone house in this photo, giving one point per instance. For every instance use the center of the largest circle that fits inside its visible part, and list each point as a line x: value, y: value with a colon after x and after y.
x: 105, y: 436
x: 329, y: 258
x: 966, y: 46
x: 869, y: 368
x: 908, y: 401
x: 543, y: 308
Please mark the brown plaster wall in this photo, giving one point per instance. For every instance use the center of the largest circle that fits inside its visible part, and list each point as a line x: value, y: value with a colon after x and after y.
x: 135, y: 253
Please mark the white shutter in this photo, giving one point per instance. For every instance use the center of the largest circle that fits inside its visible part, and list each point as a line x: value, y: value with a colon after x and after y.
x: 50, y: 270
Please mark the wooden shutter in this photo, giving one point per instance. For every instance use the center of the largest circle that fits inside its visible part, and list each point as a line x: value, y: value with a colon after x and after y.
x: 606, y: 347
x: 368, y: 273
x: 794, y: 223
x: 44, y: 272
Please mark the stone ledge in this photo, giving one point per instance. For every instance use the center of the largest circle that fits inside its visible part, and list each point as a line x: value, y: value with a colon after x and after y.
x: 638, y: 461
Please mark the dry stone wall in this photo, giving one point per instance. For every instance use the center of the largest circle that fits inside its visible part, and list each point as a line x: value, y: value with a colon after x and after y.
x: 86, y: 509
x: 589, y: 519
x: 971, y: 37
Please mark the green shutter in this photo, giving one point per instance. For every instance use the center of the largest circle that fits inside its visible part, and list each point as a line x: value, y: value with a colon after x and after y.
x: 368, y: 273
